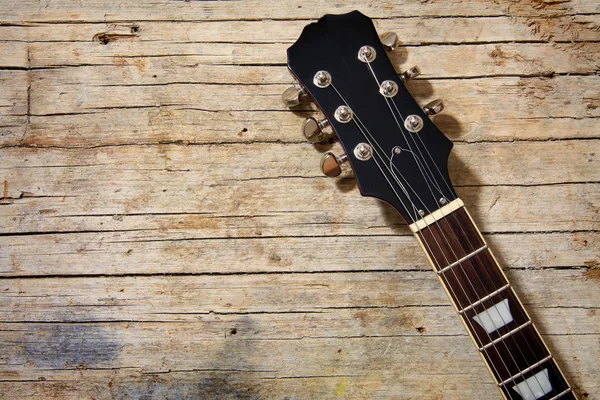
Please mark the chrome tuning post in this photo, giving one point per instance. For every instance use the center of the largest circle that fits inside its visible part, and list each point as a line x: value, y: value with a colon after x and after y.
x: 331, y: 165
x: 293, y: 96
x: 410, y: 74
x: 389, y: 40
x: 313, y: 130
x: 434, y: 107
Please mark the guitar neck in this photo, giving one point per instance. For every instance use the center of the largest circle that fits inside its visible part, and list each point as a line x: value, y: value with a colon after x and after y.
x: 489, y: 308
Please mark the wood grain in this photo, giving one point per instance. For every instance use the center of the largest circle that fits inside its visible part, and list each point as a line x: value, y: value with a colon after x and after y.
x: 165, y: 232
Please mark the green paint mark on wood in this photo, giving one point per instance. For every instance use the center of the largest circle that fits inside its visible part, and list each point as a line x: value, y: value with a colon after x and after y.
x: 341, y: 386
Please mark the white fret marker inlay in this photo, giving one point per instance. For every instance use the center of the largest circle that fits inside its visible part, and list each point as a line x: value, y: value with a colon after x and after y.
x: 534, y: 387
x: 494, y: 317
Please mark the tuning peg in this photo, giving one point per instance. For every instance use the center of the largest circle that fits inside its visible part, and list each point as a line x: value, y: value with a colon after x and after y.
x: 410, y: 73
x: 389, y: 40
x: 293, y: 96
x: 313, y: 129
x: 331, y: 165
x: 434, y: 107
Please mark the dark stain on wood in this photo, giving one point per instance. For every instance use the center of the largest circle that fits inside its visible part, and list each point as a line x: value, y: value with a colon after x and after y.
x: 185, y: 385
x: 70, y: 346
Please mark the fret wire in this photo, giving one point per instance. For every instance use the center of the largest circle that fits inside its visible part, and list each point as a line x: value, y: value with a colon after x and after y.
x: 465, y: 258
x: 536, y: 333
x: 518, y: 330
x: 526, y: 370
x: 508, y: 334
x: 511, y: 334
x: 452, y: 250
x: 489, y: 296
x: 569, y: 390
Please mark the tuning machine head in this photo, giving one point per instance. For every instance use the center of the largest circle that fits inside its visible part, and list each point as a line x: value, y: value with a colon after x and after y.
x: 389, y: 40
x: 331, y: 165
x: 312, y: 129
x: 293, y: 96
x: 434, y: 107
x: 410, y: 74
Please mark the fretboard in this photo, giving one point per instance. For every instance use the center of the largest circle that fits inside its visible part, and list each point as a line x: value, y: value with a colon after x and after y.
x: 495, y: 318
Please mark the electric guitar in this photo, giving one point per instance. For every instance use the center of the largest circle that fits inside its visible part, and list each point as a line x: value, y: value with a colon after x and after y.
x: 399, y: 156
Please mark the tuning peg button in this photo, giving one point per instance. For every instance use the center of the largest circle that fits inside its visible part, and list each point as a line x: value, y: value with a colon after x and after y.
x: 410, y: 73
x: 434, y: 107
x: 331, y: 165
x: 313, y: 129
x: 293, y: 96
x: 389, y: 40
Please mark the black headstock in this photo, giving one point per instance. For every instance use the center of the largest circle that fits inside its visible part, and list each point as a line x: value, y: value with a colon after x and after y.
x: 406, y: 169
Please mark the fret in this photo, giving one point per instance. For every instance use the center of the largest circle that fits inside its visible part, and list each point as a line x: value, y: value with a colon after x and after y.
x: 526, y: 370
x: 558, y: 396
x: 465, y: 258
x: 514, y: 353
x: 495, y: 341
x: 489, y: 296
x: 488, y: 307
x: 502, y: 325
x: 452, y: 242
x: 546, y: 374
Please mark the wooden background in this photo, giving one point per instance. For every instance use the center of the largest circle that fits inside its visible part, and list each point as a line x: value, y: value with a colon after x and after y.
x: 166, y: 232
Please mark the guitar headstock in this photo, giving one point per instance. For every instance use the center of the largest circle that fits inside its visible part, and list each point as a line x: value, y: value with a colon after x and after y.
x: 398, y: 155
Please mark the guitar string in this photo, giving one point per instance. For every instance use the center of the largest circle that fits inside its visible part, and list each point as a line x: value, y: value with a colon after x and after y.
x: 447, y: 222
x: 358, y: 122
x: 538, y: 338
x: 417, y: 161
x: 453, y: 271
x: 486, y: 310
x: 454, y: 217
x: 470, y: 262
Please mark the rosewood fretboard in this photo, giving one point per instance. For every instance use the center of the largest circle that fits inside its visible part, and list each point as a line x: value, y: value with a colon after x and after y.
x: 501, y: 329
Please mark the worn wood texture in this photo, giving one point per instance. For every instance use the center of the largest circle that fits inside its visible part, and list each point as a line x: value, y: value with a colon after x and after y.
x: 165, y: 232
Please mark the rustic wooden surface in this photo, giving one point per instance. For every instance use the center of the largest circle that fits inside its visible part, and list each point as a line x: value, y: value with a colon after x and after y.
x: 165, y: 232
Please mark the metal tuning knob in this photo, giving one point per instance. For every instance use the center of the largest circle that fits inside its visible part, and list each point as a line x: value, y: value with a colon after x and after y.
x: 389, y: 40
x: 293, y: 96
x: 410, y: 73
x: 434, y: 107
x: 313, y: 129
x: 331, y: 165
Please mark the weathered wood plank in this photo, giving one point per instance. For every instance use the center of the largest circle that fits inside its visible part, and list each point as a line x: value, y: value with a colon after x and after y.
x: 114, y: 346
x: 125, y: 253
x: 159, y: 298
x: 228, y: 261
x: 173, y: 124
x: 548, y: 162
x: 412, y: 31
x: 489, y: 98
x: 14, y: 55
x: 13, y: 96
x: 130, y: 10
x: 256, y: 208
x: 404, y: 384
x: 157, y: 63
x: 219, y: 182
